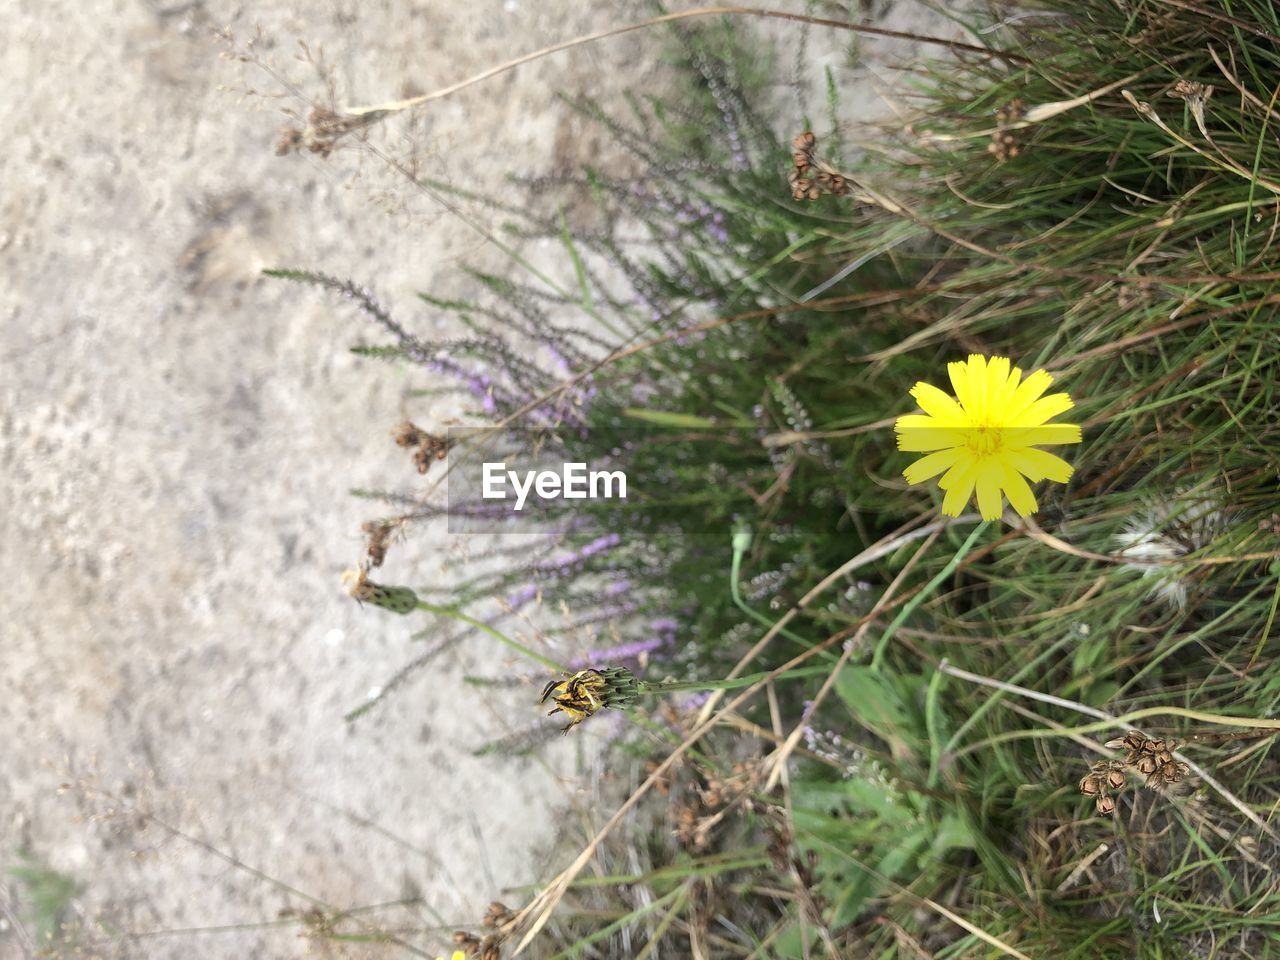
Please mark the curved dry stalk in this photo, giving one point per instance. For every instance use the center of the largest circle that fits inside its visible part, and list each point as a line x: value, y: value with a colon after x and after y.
x: 378, y: 111
x: 1035, y: 532
x: 1222, y: 162
x: 1243, y: 90
x: 1039, y: 113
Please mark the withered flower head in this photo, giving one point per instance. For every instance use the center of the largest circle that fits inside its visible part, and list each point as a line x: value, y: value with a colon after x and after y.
x: 811, y: 177
x: 497, y: 915
x: 1103, y: 777
x: 400, y: 600
x: 427, y: 448
x: 1151, y: 757
x: 586, y: 692
x: 1133, y: 740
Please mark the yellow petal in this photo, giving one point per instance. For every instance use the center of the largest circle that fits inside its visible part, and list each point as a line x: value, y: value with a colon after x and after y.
x: 1010, y: 386
x: 917, y: 434
x: 916, y: 421
x: 1043, y: 409
x: 1016, y: 489
x: 1048, y: 433
x: 958, y: 484
x: 1028, y: 392
x: 929, y: 467
x: 977, y: 365
x: 990, y: 504
x: 993, y: 383
x: 959, y: 374
x: 937, y: 404
x: 1039, y: 465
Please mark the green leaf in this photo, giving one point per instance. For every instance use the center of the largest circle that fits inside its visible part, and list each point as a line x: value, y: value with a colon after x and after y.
x: 953, y: 833
x: 878, y: 705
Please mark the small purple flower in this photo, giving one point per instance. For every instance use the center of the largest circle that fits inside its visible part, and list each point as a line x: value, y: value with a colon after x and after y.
x: 695, y: 700
x: 627, y: 651
x: 523, y: 596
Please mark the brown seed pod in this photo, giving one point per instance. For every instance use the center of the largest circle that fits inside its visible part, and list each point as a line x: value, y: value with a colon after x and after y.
x: 1132, y: 740
x: 408, y: 435
x: 1105, y: 805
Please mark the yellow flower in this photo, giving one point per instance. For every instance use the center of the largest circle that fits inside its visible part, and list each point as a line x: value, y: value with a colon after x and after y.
x: 457, y: 955
x: 987, y: 436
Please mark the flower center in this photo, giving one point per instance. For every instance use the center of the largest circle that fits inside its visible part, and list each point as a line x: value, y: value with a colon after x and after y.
x: 985, y: 440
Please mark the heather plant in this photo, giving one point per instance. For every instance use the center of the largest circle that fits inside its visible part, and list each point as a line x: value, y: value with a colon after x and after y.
x: 890, y: 726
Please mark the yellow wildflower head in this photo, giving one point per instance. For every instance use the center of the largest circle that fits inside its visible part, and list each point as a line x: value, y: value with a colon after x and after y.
x: 457, y: 955
x: 987, y: 436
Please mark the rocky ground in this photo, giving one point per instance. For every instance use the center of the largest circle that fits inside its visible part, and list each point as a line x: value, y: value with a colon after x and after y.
x: 178, y: 436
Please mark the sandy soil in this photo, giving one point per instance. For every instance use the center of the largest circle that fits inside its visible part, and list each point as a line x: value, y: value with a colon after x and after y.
x: 177, y: 439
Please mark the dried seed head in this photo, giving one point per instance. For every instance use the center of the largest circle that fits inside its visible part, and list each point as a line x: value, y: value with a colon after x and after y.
x: 291, y: 139
x: 1090, y: 785
x: 1192, y: 91
x: 1133, y: 740
x: 408, y: 435
x: 1105, y: 805
x: 400, y: 600
x: 497, y: 914
x: 1013, y: 111
x: 811, y: 177
x: 379, y: 533
x: 1169, y: 529
x: 427, y: 448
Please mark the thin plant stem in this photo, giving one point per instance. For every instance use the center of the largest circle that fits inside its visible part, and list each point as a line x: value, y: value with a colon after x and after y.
x: 877, y: 659
x: 378, y: 111
x: 455, y: 614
